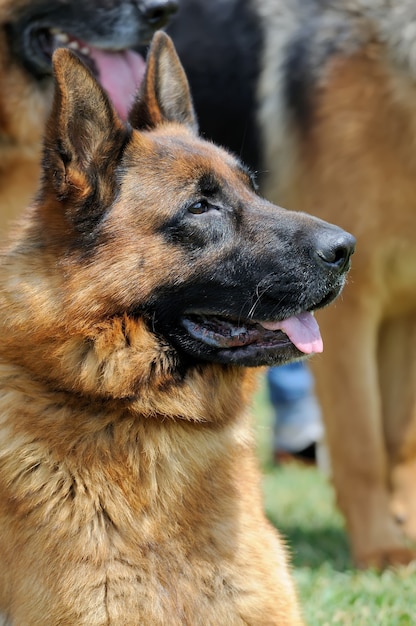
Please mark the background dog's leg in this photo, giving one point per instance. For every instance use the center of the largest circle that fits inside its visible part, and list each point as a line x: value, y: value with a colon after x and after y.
x: 356, y: 438
x: 397, y: 365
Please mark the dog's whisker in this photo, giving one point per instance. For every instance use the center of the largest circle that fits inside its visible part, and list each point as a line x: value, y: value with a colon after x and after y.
x: 259, y: 293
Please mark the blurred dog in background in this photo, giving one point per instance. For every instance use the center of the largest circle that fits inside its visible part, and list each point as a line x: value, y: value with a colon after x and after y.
x: 103, y: 33
x: 320, y: 98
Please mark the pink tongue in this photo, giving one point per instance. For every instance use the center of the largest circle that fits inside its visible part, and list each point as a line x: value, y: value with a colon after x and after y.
x: 120, y: 74
x: 302, y: 330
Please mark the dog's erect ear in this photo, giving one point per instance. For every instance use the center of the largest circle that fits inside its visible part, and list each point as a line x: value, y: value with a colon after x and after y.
x: 164, y: 95
x: 84, y: 136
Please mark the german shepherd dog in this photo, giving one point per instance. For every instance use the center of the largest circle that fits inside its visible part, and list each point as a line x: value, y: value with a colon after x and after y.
x: 146, y: 274
x: 322, y: 101
x: 103, y: 32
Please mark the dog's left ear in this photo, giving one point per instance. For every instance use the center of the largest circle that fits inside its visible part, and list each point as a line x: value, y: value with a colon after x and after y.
x: 164, y: 95
x: 84, y: 139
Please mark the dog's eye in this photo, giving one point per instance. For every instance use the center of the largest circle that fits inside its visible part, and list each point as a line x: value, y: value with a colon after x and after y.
x: 202, y: 206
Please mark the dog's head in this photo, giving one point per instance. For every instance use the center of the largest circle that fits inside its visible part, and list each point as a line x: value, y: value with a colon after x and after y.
x: 103, y: 33
x: 154, y: 252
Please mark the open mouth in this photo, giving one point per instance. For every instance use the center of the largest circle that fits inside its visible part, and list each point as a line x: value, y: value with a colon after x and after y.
x: 120, y: 72
x: 225, y: 333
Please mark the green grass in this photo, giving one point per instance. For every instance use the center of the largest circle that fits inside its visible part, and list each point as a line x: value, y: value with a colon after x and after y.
x: 300, y: 503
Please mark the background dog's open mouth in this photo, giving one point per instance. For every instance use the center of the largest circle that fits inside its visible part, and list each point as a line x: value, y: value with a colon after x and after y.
x: 301, y: 330
x: 120, y: 72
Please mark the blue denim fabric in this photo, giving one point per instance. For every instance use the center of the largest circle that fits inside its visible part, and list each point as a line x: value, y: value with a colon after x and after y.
x: 289, y: 383
x: 297, y: 422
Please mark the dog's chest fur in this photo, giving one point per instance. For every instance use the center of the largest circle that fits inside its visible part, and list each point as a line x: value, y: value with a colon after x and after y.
x: 121, y: 493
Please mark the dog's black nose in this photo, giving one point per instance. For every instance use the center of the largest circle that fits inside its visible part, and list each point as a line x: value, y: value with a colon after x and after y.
x: 334, y: 247
x: 158, y: 12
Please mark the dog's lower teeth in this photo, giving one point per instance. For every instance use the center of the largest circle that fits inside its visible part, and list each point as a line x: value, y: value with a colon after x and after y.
x: 235, y: 332
x: 62, y: 38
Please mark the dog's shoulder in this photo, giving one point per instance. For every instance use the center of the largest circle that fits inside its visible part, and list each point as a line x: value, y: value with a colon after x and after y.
x: 300, y: 41
x: 304, y: 37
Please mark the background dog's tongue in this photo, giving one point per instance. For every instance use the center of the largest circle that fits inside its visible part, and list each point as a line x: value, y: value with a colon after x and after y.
x: 302, y: 330
x: 120, y: 74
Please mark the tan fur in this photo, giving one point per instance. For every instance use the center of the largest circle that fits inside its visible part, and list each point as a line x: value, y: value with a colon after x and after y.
x: 127, y: 496
x: 23, y: 115
x: 356, y: 164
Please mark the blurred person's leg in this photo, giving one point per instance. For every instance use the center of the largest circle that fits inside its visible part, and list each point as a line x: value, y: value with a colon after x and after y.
x: 297, y: 424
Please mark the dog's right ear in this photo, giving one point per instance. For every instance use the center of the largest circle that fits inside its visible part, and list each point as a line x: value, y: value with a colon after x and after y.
x: 83, y: 141
x: 164, y: 95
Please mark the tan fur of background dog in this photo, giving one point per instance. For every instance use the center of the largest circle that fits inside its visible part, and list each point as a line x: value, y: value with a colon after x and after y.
x: 101, y: 486
x: 356, y: 164
x: 23, y: 113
